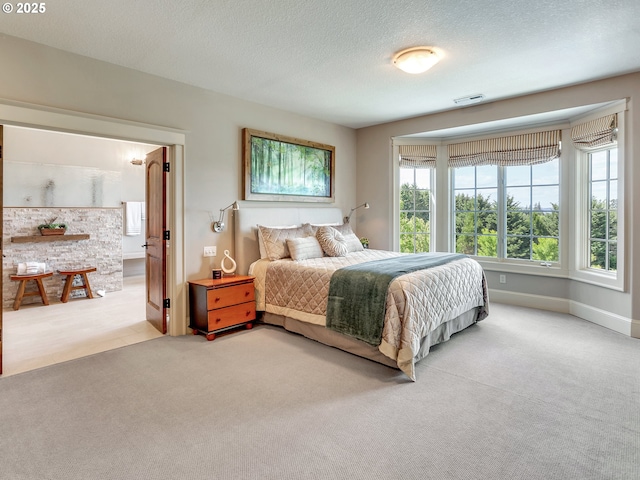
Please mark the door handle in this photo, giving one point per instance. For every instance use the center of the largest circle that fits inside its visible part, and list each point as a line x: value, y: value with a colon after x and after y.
x: 146, y: 245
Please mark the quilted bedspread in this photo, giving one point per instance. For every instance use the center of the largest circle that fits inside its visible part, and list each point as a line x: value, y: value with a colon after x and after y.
x: 416, y: 304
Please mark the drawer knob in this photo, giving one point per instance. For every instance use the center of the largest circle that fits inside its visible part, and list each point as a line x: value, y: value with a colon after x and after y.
x: 217, y: 299
x: 218, y: 320
x: 248, y: 313
x: 246, y: 294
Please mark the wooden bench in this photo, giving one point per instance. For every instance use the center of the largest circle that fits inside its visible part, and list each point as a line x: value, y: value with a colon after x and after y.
x: 68, y: 284
x: 23, y: 279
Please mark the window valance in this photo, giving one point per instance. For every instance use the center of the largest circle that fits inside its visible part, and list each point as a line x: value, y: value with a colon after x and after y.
x: 417, y: 156
x: 526, y: 149
x: 596, y: 133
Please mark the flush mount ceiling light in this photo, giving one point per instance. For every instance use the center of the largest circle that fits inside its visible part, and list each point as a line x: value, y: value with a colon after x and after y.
x: 416, y: 59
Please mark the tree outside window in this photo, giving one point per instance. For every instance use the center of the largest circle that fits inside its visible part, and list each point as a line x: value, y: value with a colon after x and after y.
x: 415, y: 219
x: 603, y: 209
x: 530, y: 194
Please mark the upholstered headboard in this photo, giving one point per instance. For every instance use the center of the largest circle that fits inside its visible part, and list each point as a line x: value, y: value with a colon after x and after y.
x: 248, y: 218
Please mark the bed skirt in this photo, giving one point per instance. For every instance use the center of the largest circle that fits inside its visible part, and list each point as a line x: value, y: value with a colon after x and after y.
x: 357, y: 347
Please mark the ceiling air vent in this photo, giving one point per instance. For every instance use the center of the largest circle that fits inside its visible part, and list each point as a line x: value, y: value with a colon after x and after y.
x: 469, y: 99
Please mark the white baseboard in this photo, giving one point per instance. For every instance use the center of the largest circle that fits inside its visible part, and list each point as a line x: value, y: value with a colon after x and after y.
x: 595, y: 315
x: 540, y: 302
x: 610, y: 320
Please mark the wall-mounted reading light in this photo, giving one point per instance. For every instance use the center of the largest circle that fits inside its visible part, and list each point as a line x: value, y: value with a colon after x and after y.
x: 348, y: 217
x: 137, y: 161
x: 219, y: 225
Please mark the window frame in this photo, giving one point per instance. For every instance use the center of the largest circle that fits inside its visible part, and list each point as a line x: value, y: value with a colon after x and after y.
x: 502, y: 235
x: 432, y: 174
x: 582, y: 270
x: 571, y: 227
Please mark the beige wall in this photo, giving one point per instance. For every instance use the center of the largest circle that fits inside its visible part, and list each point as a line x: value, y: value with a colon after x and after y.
x: 212, y: 124
x: 375, y: 186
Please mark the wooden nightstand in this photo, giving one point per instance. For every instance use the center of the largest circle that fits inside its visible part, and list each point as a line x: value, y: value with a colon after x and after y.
x: 216, y: 305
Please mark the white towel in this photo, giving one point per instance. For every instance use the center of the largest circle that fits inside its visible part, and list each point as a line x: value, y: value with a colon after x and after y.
x: 133, y: 214
x: 31, y: 268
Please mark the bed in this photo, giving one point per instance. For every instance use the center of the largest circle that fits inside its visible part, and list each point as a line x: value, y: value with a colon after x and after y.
x: 421, y: 307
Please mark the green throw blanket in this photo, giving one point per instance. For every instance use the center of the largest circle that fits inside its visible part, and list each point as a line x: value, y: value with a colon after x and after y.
x: 358, y: 293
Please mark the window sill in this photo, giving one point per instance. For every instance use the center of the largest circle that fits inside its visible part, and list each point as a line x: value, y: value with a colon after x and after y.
x: 524, y: 268
x: 593, y: 277
x: 533, y: 268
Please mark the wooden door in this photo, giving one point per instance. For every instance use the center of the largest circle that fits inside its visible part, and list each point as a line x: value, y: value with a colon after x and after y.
x: 1, y: 222
x: 156, y: 249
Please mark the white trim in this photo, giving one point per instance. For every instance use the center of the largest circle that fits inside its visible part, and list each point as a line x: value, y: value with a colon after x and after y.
x: 523, y: 267
x: 441, y: 221
x: 539, y: 302
x: 609, y: 320
x: 36, y: 116
x: 603, y: 318
x: 395, y: 200
x: 580, y: 270
x: 618, y: 106
x: 28, y: 115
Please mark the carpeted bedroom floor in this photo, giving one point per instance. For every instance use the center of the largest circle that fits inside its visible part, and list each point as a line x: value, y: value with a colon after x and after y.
x: 525, y: 394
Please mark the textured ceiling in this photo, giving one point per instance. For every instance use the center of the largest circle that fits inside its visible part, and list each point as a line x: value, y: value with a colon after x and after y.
x: 331, y: 59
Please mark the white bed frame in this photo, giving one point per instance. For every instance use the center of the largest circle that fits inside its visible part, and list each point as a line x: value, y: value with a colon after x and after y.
x: 247, y: 251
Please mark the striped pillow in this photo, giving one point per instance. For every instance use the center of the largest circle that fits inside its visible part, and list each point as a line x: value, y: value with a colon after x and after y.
x: 304, y: 248
x: 332, y: 242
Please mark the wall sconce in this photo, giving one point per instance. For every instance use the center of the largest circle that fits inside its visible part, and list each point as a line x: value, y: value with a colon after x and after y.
x: 219, y: 225
x: 348, y: 217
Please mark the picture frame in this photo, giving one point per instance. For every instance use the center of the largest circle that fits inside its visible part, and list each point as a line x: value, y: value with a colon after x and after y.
x: 278, y: 168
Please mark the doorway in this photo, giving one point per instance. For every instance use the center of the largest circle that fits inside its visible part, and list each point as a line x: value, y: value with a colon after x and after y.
x: 86, y: 183
x: 114, y: 129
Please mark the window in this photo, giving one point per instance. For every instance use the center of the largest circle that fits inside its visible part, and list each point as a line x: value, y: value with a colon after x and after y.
x: 530, y: 200
x: 476, y: 210
x: 415, y: 209
x: 599, y: 237
x: 506, y: 195
x: 603, y: 209
x: 533, y: 211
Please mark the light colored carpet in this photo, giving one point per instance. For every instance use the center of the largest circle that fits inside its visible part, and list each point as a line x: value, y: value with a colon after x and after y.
x: 524, y: 394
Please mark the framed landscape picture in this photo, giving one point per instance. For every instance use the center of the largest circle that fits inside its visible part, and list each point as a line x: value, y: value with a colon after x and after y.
x: 279, y: 168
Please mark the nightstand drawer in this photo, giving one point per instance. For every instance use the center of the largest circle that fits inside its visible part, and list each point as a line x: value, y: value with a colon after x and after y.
x: 224, y: 297
x: 234, y: 315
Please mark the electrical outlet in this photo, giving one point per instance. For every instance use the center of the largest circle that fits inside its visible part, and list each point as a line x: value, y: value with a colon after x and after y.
x: 209, y: 251
x: 503, y: 279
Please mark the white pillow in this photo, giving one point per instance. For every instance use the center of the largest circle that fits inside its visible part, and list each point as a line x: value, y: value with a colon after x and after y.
x: 353, y: 242
x: 263, y: 251
x: 332, y: 242
x: 275, y: 239
x: 304, y: 248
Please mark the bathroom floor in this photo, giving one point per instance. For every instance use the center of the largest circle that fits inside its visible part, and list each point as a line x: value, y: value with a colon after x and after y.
x: 36, y: 335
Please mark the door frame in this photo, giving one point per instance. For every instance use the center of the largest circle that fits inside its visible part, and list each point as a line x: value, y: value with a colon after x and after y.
x: 43, y: 118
